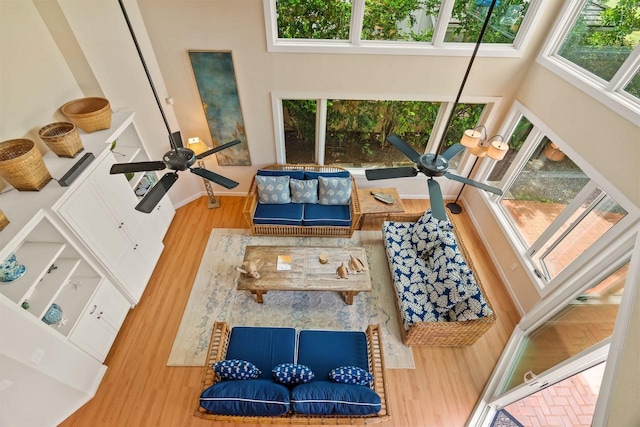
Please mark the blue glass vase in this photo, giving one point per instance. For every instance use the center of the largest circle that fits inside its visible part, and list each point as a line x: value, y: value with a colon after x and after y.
x: 11, y: 270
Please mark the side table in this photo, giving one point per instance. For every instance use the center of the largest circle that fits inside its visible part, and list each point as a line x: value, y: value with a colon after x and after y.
x: 370, y: 206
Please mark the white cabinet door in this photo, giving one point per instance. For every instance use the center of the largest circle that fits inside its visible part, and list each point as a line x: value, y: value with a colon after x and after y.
x: 99, y: 325
x: 133, y: 270
x: 162, y: 216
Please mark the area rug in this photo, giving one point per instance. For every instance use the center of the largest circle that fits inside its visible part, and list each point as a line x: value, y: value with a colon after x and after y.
x: 214, y: 298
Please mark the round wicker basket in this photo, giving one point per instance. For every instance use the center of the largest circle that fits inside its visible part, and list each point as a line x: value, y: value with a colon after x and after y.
x: 89, y: 114
x: 22, y: 166
x: 62, y: 138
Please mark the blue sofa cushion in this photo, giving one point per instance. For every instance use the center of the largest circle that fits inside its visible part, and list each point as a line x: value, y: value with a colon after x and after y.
x: 291, y: 374
x: 234, y: 369
x: 304, y: 190
x: 351, y: 375
x: 291, y: 174
x: 334, y: 191
x: 315, y: 175
x: 246, y: 397
x: 265, y: 347
x: 327, y: 215
x: 329, y: 398
x: 273, y: 189
x: 322, y: 351
x: 289, y: 214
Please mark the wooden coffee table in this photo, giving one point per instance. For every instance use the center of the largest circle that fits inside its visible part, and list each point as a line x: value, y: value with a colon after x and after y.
x: 306, y: 273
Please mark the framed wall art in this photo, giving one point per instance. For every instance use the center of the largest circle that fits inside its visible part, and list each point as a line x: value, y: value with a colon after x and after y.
x: 216, y: 80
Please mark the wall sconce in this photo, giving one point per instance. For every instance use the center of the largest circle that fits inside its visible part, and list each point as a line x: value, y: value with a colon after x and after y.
x: 480, y: 146
x: 198, y: 146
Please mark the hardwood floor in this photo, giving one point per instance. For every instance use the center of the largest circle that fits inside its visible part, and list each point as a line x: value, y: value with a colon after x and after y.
x: 140, y: 390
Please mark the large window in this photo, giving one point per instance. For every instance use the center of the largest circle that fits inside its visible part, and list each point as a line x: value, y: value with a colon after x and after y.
x: 554, y: 208
x: 381, y: 26
x: 353, y: 132
x: 596, y: 47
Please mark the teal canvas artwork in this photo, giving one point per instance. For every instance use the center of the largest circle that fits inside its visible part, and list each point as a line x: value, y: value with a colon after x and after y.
x: 216, y: 81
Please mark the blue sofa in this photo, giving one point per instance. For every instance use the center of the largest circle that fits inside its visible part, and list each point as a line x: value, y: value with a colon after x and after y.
x: 291, y: 200
x: 440, y: 300
x: 317, y: 400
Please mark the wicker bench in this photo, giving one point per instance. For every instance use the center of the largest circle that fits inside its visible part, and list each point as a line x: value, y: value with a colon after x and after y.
x: 439, y: 333
x: 218, y: 350
x: 251, y: 203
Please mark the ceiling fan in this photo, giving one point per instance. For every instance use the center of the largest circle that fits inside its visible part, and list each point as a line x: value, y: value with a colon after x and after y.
x: 177, y: 159
x: 430, y: 164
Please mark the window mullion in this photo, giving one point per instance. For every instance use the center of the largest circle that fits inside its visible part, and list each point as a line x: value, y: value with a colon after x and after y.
x: 442, y: 23
x: 357, y: 18
x: 626, y: 72
x: 321, y: 129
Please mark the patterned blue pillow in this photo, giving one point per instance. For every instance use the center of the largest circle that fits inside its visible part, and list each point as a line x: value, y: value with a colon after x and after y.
x: 273, y: 189
x: 234, y: 369
x: 351, y: 375
x: 334, y: 191
x: 292, y: 374
x: 427, y: 233
x: 304, y: 190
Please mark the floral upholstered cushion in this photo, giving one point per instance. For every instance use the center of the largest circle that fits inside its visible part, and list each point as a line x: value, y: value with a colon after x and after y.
x: 273, y: 189
x: 334, y: 191
x: 427, y: 232
x: 304, y: 190
x: 234, y: 369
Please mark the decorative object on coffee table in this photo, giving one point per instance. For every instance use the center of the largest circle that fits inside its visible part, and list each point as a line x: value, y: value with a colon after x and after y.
x: 62, y: 138
x: 356, y: 265
x: 342, y: 271
x: 250, y: 268
x: 323, y: 258
x: 11, y: 270
x: 22, y: 166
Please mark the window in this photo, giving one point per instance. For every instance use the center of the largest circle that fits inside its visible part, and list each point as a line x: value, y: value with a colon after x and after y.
x: 354, y: 132
x: 554, y: 209
x: 595, y: 46
x: 380, y: 26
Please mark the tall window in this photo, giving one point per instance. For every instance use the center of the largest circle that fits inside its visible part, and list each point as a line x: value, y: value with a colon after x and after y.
x: 596, y: 47
x: 299, y: 117
x: 555, y: 209
x: 372, y: 26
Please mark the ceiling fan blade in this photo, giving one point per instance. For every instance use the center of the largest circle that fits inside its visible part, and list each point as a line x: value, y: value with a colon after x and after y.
x: 136, y: 167
x: 218, y: 148
x: 406, y: 149
x: 473, y: 183
x: 436, y: 200
x: 451, y: 152
x: 153, y: 196
x: 212, y: 176
x: 176, y: 137
x: 387, y: 173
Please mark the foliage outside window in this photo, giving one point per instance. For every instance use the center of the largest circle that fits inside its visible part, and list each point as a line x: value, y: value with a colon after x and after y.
x: 414, y: 21
x: 299, y: 117
x: 468, y: 16
x: 518, y: 136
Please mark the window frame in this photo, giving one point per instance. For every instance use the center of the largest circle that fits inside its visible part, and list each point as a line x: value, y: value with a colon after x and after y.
x: 610, y: 93
x: 513, y: 236
x: 383, y: 47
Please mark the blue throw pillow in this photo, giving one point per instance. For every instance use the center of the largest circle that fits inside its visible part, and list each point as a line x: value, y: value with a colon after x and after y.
x: 351, y: 375
x: 291, y: 374
x: 329, y: 398
x: 304, y: 190
x: 273, y: 189
x: 261, y: 397
x: 427, y: 233
x: 234, y: 369
x: 334, y: 191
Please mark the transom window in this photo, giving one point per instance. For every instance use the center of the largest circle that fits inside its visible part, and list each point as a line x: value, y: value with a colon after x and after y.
x: 380, y: 26
x: 596, y: 46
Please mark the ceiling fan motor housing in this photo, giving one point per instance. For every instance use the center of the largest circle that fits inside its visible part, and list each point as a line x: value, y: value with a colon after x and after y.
x: 433, y: 165
x: 179, y: 159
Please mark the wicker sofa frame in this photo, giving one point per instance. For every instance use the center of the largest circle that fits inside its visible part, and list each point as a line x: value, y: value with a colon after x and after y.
x: 251, y: 203
x: 218, y: 350
x: 450, y: 334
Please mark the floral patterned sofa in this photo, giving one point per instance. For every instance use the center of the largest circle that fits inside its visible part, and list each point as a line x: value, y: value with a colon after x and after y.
x: 439, y: 300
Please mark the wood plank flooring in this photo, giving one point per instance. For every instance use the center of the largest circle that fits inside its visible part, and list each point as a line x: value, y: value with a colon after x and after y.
x: 140, y: 390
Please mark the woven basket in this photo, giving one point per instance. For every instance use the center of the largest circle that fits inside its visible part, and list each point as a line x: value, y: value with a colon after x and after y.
x: 89, y: 114
x: 22, y: 166
x: 3, y: 220
x: 62, y: 138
